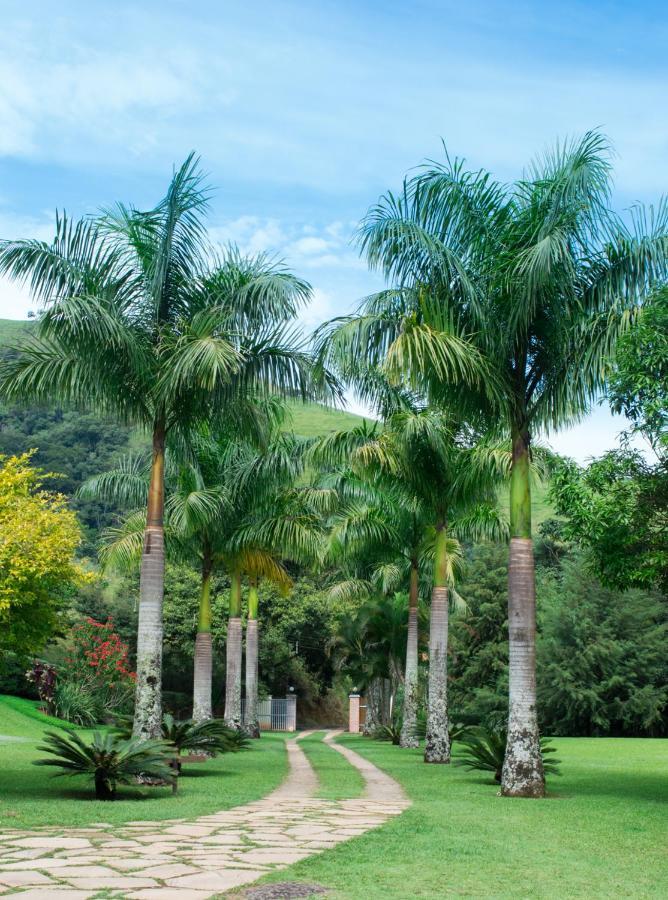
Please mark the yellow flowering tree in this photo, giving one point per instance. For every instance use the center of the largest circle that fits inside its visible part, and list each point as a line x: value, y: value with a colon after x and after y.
x: 38, y: 539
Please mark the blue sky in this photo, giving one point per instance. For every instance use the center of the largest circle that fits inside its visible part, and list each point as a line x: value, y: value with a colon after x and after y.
x: 304, y: 113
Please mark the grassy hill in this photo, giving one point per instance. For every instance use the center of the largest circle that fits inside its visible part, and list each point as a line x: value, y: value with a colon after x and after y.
x: 10, y: 329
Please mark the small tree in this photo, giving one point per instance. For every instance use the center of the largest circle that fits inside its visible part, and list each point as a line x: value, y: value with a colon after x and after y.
x: 39, y: 536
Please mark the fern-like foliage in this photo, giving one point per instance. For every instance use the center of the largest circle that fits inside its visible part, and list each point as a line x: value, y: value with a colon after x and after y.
x: 108, y: 759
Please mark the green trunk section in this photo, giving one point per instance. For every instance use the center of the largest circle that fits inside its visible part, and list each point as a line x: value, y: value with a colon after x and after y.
x: 235, y: 596
x: 441, y: 557
x: 204, y: 620
x: 520, y: 487
x: 253, y: 601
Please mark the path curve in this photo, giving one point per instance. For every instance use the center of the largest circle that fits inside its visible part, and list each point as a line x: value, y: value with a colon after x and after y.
x: 193, y: 860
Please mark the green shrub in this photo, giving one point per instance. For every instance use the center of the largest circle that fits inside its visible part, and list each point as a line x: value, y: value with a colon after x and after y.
x: 107, y: 759
x: 75, y: 703
x: 485, y: 749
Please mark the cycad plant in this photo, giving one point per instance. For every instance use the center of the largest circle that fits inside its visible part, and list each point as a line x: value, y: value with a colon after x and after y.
x: 485, y: 748
x: 146, y: 322
x: 108, y: 759
x: 534, y: 281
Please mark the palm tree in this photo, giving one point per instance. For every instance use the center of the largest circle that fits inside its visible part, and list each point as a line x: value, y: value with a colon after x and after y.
x: 146, y: 322
x: 378, y: 532
x: 283, y: 521
x: 223, y: 480
x: 449, y: 481
x: 538, y: 278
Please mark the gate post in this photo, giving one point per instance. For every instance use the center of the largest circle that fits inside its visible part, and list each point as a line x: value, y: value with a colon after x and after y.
x: 291, y: 713
x: 354, y: 713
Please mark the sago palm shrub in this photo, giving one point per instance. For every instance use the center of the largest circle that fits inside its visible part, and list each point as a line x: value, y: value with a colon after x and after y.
x: 108, y: 759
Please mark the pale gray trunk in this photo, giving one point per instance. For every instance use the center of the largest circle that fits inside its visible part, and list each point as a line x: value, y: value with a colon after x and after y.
x: 386, y: 701
x: 374, y: 702
x: 522, y: 774
x: 233, y: 674
x: 437, y: 744
x: 148, y: 695
x: 409, y: 723
x: 202, y: 679
x: 251, y: 724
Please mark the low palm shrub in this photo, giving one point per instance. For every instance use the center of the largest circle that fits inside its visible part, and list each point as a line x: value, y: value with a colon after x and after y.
x: 108, y: 759
x: 207, y: 738
x: 485, y: 748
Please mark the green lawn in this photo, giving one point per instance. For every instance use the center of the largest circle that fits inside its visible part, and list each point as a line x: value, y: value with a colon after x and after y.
x: 602, y: 833
x: 30, y: 795
x: 338, y: 779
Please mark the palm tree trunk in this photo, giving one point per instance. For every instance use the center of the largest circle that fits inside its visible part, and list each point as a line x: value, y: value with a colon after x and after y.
x: 522, y: 774
x: 409, y: 723
x: 374, y: 700
x: 148, y: 696
x: 251, y: 724
x: 437, y: 744
x: 203, y: 648
x: 234, y: 654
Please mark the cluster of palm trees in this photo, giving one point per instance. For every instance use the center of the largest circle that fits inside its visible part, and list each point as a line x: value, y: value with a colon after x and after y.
x: 146, y: 321
x: 503, y: 306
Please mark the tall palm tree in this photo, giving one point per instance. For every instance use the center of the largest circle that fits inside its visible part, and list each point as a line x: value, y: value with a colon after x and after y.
x: 145, y: 321
x: 283, y: 522
x: 537, y: 277
x: 378, y: 533
x: 449, y: 481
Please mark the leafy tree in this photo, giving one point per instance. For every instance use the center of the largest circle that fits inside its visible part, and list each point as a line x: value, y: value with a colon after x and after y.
x: 537, y: 279
x: 617, y: 508
x: 145, y: 321
x: 39, y: 537
x: 602, y: 657
x: 639, y: 384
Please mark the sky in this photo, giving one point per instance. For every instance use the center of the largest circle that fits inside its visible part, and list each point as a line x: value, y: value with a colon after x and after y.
x: 304, y: 113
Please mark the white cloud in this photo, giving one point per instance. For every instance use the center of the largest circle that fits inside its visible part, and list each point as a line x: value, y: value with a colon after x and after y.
x: 309, y: 245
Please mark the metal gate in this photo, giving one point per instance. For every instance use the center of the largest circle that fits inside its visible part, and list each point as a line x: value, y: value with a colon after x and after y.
x: 274, y: 715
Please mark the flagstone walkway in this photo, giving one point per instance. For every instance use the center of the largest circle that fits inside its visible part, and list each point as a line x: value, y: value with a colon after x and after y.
x: 200, y: 858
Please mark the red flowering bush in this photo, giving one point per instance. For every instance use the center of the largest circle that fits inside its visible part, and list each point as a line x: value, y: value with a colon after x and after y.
x: 97, y: 662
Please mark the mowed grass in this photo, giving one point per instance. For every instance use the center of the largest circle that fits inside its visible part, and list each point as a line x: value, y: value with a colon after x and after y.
x: 338, y: 779
x: 603, y: 832
x: 30, y: 795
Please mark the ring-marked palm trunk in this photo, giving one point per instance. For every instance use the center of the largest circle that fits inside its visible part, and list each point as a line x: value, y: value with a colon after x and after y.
x: 148, y: 696
x: 522, y: 774
x: 251, y: 723
x: 234, y: 655
x: 374, y: 701
x: 437, y: 744
x: 202, y: 678
x: 409, y: 722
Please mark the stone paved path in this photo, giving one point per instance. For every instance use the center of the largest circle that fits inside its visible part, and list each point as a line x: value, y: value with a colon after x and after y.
x: 200, y: 858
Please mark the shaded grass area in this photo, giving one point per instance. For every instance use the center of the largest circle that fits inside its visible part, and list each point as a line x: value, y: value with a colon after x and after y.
x: 338, y: 779
x: 601, y: 833
x: 30, y: 795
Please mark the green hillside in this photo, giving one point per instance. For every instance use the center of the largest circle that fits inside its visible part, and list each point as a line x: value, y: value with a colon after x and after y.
x: 10, y: 329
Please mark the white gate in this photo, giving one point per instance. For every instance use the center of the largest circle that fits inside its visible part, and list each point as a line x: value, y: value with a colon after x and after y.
x: 274, y: 715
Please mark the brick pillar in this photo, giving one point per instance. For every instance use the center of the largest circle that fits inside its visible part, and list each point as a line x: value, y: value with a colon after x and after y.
x: 354, y: 713
x: 291, y: 717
